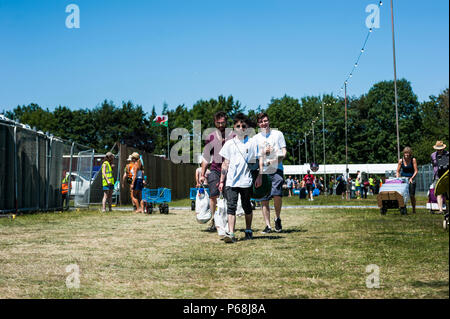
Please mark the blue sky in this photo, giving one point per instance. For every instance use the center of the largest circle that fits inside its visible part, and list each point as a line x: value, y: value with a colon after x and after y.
x: 177, y: 52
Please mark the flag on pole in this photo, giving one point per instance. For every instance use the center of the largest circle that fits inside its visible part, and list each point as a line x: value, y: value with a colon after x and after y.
x: 161, y: 120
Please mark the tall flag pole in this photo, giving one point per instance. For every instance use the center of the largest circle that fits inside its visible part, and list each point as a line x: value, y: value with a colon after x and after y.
x: 346, y: 145
x: 163, y: 120
x: 395, y: 81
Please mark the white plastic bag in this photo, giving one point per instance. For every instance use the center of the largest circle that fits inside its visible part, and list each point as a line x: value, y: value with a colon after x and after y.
x: 202, y: 206
x: 220, y: 216
x: 239, y: 210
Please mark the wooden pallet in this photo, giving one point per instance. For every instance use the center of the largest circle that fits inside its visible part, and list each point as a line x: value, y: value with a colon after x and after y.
x: 392, y: 196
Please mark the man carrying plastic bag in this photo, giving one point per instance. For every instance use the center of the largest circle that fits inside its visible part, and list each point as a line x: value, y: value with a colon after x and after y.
x: 238, y: 153
x: 202, y: 206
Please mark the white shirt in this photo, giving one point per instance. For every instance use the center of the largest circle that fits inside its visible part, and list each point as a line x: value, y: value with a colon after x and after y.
x: 239, y: 153
x: 275, y: 139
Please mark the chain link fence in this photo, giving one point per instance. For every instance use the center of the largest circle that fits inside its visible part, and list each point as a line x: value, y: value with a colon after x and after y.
x: 424, y: 178
x: 33, y: 169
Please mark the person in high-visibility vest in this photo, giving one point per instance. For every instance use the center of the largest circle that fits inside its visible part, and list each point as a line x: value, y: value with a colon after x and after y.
x: 65, y: 189
x: 358, y: 185
x: 107, y: 181
x: 372, y: 185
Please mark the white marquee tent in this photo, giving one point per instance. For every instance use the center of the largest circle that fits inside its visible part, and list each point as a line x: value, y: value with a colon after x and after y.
x: 335, y: 169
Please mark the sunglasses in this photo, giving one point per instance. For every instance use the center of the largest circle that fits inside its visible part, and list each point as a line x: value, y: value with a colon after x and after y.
x: 243, y: 126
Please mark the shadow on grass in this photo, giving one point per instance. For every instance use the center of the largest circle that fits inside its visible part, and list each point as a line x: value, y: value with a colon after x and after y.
x: 284, y: 231
x: 293, y: 230
x: 267, y: 237
x: 432, y: 284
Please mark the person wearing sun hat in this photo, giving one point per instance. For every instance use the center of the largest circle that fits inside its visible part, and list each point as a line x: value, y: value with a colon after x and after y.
x: 137, y: 183
x: 435, y: 159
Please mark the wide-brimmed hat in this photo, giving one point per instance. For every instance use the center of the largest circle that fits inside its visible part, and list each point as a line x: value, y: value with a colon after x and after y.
x: 109, y: 154
x: 135, y: 155
x: 439, y: 145
x: 129, y: 158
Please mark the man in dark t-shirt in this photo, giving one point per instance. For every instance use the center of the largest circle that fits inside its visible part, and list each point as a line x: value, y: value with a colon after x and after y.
x: 214, y: 143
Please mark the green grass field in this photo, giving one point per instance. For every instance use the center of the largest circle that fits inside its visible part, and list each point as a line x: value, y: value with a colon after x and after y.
x: 319, y: 201
x: 321, y: 253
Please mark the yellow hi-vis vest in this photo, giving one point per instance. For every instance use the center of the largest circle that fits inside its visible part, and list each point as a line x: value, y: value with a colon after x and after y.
x: 357, y: 182
x: 109, y: 177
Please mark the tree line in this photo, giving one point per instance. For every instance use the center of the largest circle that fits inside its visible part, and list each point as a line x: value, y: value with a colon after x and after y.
x: 371, y: 124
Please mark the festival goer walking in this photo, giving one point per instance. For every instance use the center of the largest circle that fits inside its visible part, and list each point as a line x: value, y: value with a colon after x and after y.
x: 440, y: 152
x: 211, y: 154
x: 407, y: 167
x: 65, y: 189
x: 371, y: 185
x: 364, y: 185
x: 330, y: 186
x: 137, y: 183
x: 296, y: 183
x: 272, y: 148
x: 236, y: 178
x: 309, y: 182
x: 348, y: 185
x: 107, y: 181
x: 358, y: 184
x: 289, y: 184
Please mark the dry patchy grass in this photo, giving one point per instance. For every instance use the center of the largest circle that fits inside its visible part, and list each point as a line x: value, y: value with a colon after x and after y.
x: 321, y: 253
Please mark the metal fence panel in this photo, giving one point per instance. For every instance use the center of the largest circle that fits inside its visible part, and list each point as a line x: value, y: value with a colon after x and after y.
x: 31, y: 169
x: 27, y: 173
x: 84, y: 178
x: 55, y: 157
x: 6, y: 168
x: 424, y: 178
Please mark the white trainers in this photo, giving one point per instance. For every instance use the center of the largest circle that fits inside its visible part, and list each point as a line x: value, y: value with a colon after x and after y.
x: 229, y: 238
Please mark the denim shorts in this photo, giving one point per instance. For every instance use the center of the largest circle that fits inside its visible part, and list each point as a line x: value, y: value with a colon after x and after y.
x: 277, y: 185
x: 138, y: 184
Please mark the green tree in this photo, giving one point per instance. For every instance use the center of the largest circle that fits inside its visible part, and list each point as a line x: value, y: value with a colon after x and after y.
x: 381, y: 131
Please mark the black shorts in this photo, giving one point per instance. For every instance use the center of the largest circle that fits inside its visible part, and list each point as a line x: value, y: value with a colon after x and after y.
x: 309, y: 187
x: 232, y: 199
x: 213, y: 181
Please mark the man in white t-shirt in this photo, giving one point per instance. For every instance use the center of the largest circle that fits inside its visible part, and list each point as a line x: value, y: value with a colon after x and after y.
x: 238, y: 153
x: 272, y: 151
x: 348, y: 185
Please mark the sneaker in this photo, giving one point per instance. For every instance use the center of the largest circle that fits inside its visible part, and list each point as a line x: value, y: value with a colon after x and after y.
x: 267, y: 230
x: 248, y: 234
x: 212, y: 228
x: 229, y: 238
x: 278, y: 226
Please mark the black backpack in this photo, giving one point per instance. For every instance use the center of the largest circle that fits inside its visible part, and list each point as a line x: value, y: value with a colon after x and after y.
x: 442, y: 162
